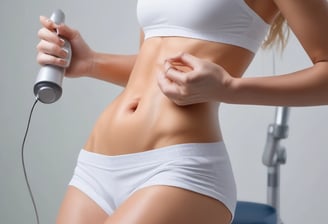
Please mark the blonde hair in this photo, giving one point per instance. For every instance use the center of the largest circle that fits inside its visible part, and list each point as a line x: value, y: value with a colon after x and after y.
x: 278, y: 33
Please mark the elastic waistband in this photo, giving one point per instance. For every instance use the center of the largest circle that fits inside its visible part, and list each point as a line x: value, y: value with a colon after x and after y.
x: 166, y: 153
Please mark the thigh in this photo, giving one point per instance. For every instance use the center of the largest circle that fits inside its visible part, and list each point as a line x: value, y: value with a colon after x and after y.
x: 169, y: 205
x: 78, y: 208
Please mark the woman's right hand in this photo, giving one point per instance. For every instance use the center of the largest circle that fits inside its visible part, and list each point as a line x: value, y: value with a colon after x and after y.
x: 50, y: 49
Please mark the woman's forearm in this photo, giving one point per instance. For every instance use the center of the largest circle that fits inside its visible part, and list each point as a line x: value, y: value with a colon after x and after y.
x: 308, y: 87
x: 112, y: 68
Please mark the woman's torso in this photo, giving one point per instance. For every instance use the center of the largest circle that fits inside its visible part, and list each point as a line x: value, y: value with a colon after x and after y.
x: 143, y: 118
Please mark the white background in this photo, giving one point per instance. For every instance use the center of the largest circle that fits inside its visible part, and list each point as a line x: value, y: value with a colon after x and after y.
x: 58, y: 131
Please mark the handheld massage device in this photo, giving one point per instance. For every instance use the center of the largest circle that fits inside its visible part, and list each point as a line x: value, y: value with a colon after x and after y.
x: 48, y: 85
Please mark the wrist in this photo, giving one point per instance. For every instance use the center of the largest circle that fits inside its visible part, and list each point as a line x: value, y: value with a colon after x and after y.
x: 233, y: 88
x: 92, y: 67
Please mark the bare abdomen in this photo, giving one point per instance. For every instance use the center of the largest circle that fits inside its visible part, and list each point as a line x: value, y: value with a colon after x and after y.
x: 142, y: 118
x: 134, y: 123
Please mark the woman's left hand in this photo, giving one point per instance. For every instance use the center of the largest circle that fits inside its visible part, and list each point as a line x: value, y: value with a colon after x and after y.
x: 189, y: 80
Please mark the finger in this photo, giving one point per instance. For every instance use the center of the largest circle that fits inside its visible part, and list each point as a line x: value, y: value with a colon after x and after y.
x: 184, y: 58
x: 48, y: 23
x: 46, y: 59
x: 172, y: 91
x: 47, y: 35
x: 175, y: 75
x: 61, y: 29
x: 51, y: 49
x: 169, y: 88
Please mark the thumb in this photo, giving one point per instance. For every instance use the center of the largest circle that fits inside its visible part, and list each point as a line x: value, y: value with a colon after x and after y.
x: 185, y: 59
x: 67, y: 32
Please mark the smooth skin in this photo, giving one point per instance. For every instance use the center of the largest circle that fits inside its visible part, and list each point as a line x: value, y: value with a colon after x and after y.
x: 186, y: 79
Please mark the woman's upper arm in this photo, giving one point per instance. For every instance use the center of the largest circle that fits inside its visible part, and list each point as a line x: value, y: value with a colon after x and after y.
x: 308, y: 19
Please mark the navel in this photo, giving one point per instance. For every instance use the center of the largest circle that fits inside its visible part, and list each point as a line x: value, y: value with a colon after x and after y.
x: 133, y: 105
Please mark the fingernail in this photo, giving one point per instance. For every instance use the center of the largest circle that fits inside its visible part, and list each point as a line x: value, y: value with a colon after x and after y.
x: 63, y: 62
x: 64, y: 53
x: 62, y: 41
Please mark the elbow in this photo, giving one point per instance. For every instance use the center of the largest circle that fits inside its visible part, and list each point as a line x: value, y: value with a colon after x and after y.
x: 322, y: 71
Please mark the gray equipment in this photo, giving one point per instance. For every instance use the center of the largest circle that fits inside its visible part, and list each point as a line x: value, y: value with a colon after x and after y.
x: 273, y: 157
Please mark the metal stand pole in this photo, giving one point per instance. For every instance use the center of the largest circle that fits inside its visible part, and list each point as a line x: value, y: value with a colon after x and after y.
x: 275, y: 155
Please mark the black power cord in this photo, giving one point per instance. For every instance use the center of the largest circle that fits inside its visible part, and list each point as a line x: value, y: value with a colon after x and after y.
x: 23, y: 163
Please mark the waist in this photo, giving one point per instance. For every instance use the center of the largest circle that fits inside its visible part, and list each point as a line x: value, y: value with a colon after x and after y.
x: 138, y: 121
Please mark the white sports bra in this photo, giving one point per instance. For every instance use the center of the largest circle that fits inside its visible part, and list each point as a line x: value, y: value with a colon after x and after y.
x: 224, y: 21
